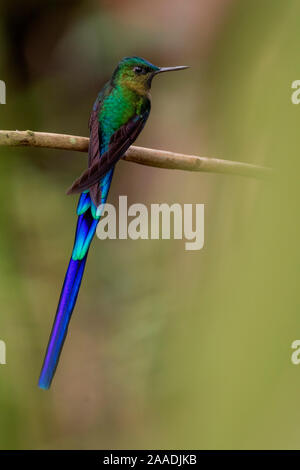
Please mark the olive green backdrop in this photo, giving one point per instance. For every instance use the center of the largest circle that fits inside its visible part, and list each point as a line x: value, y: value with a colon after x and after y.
x: 167, y: 348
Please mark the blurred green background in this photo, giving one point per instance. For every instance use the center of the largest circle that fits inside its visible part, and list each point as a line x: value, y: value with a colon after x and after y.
x: 167, y: 348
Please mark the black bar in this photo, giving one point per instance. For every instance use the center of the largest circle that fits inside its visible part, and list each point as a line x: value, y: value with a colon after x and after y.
x: 137, y: 458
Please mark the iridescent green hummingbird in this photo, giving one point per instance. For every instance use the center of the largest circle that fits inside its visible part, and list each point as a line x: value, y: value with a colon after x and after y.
x: 118, y: 116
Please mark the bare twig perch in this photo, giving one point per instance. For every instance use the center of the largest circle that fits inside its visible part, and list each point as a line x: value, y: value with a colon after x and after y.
x: 144, y: 156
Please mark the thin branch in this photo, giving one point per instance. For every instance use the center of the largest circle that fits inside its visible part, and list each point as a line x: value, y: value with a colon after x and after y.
x: 141, y: 155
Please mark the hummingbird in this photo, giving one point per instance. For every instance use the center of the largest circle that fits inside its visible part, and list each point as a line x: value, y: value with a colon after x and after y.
x: 118, y: 116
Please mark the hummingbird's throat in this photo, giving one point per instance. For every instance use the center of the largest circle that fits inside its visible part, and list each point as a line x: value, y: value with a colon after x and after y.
x: 140, y: 85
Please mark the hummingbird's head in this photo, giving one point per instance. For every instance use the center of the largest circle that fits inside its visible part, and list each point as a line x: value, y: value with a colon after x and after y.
x: 136, y: 74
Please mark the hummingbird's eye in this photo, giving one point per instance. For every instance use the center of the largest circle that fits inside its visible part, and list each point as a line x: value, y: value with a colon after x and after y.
x: 138, y: 70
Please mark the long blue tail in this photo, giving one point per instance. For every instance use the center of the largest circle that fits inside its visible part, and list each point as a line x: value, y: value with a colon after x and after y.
x: 86, y: 227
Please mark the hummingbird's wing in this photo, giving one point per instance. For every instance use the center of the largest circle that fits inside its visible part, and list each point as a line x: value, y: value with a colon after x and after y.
x: 95, y: 134
x: 94, y: 144
x: 119, y: 143
x: 94, y: 147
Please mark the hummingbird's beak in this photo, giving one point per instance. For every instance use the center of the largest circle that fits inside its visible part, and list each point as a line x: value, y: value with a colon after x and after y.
x: 171, y: 69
